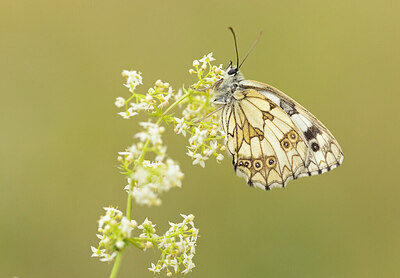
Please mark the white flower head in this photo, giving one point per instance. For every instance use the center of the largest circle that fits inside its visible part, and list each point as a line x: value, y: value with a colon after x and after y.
x: 199, y: 159
x: 196, y: 63
x: 119, y: 102
x: 129, y: 113
x: 219, y: 158
x: 133, y: 79
x: 207, y: 58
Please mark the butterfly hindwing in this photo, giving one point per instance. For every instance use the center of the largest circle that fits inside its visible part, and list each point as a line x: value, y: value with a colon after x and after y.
x: 324, y: 152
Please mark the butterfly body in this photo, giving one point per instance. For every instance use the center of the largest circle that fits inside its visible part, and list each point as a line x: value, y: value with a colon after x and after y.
x: 271, y: 137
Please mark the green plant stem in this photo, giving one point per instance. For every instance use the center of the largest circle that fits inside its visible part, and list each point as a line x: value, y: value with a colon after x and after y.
x: 129, y: 203
x: 115, y: 269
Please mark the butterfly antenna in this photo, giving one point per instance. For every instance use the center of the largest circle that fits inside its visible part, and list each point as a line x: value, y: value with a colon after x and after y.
x: 251, y: 48
x: 236, y: 48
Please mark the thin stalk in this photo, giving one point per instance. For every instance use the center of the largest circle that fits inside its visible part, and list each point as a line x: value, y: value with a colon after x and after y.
x: 115, y: 269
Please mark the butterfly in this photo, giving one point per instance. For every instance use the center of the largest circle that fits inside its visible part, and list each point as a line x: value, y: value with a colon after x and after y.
x: 271, y: 137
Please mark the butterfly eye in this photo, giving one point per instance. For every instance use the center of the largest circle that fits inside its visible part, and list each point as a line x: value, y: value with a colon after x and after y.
x: 258, y: 165
x: 271, y: 161
x: 286, y: 145
x: 244, y: 163
x: 315, y: 147
x: 293, y: 137
x: 233, y: 71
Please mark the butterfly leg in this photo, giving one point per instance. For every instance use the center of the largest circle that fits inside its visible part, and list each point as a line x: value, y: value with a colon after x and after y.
x: 208, y: 115
x: 202, y: 89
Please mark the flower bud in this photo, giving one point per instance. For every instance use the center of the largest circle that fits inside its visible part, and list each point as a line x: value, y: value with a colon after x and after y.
x: 120, y: 244
x: 148, y: 245
x: 149, y: 98
x: 159, y: 83
x: 196, y: 63
x: 119, y: 102
x: 133, y: 223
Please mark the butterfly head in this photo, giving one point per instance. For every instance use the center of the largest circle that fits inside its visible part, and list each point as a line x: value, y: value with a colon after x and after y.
x: 228, y: 84
x: 232, y: 70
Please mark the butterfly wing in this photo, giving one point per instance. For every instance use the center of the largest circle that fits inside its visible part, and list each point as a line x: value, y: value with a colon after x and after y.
x: 324, y: 152
x: 267, y: 147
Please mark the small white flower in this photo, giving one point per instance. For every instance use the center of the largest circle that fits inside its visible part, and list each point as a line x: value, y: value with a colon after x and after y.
x: 159, y: 83
x: 126, y: 227
x: 173, y: 174
x: 179, y: 94
x: 196, y: 63
x: 147, y: 222
x: 108, y: 258
x: 148, y: 245
x: 198, y: 137
x: 190, y: 153
x: 219, y: 158
x: 129, y: 113
x: 141, y: 106
x: 141, y: 175
x: 119, y: 102
x: 207, y: 58
x: 181, y: 126
x: 199, y: 159
x: 187, y: 218
x: 100, y: 236
x: 154, y: 268
x: 112, y: 210
x: 133, y: 224
x: 213, y: 148
x: 95, y: 251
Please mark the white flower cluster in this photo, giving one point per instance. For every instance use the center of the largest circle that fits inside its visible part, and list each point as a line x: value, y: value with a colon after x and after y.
x: 178, y: 246
x: 133, y: 79
x: 114, y: 232
x: 153, y: 178
x: 210, y: 77
x: 147, y: 179
x: 206, y: 138
x: 156, y: 98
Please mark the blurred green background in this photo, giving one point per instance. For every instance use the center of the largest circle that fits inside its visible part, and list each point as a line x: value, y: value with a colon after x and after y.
x: 61, y: 64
